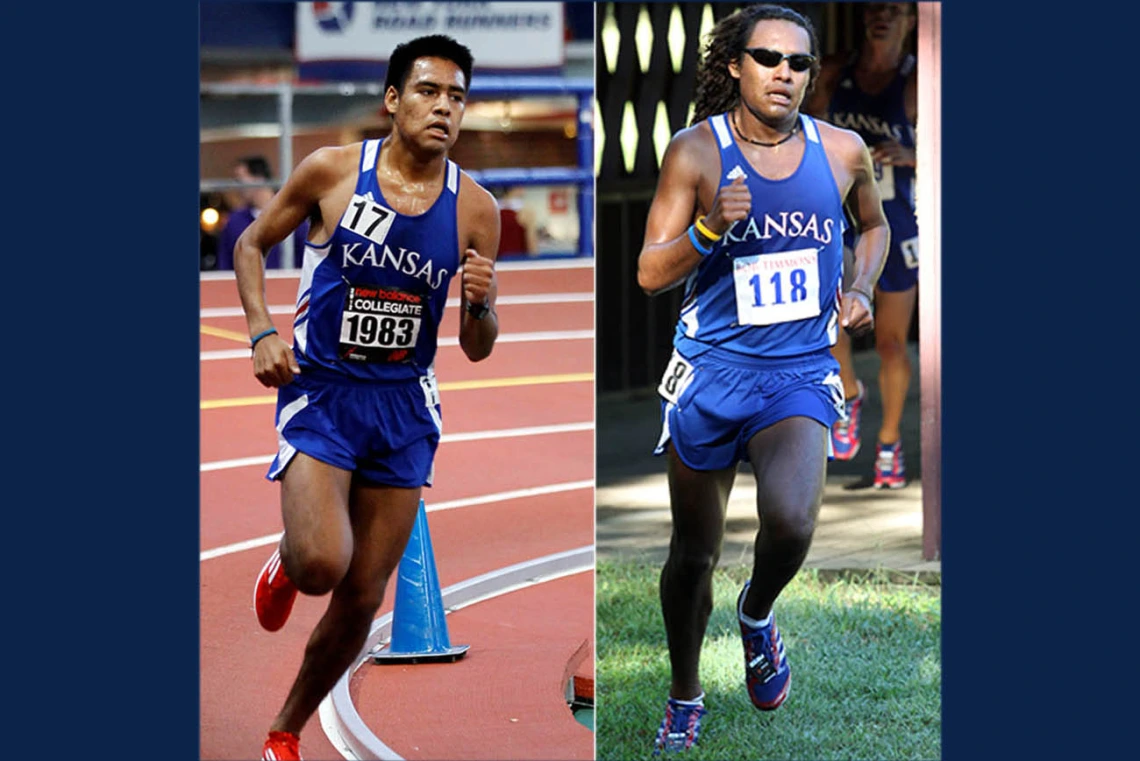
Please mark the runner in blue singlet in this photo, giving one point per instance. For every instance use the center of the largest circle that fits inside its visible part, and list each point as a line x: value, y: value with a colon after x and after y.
x: 748, y: 217
x: 392, y: 221
x: 874, y: 92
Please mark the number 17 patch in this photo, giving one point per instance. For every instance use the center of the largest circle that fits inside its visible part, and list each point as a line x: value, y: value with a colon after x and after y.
x: 367, y: 218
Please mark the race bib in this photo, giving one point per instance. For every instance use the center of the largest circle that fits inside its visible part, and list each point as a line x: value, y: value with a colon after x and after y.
x: 885, y: 177
x: 380, y: 324
x: 774, y: 288
x: 676, y: 379
x: 368, y: 218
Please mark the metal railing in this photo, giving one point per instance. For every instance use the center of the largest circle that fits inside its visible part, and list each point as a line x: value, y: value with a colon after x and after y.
x: 483, y: 87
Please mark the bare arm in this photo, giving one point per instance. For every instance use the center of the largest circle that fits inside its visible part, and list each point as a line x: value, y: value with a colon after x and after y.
x: 872, y: 236
x: 274, y: 364
x: 667, y: 254
x: 479, y: 285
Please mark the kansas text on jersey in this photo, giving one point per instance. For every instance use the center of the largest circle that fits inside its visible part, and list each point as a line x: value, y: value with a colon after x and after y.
x: 370, y: 300
x: 770, y: 287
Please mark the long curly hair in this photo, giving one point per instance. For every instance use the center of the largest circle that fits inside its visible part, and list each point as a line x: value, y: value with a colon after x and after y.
x: 716, y: 90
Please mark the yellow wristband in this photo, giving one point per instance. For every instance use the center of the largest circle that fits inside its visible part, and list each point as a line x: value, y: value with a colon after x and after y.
x: 705, y: 231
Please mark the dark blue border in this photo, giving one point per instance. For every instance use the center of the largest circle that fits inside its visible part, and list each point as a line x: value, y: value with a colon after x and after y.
x: 101, y: 301
x: 104, y: 607
x: 1034, y: 486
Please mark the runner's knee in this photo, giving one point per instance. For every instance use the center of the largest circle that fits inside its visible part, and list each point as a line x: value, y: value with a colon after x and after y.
x: 789, y: 527
x: 891, y: 348
x: 316, y: 572
x: 365, y: 598
x: 692, y: 559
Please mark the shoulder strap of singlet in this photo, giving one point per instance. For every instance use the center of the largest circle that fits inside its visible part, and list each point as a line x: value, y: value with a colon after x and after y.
x: 368, y: 155
x: 452, y: 177
x: 719, y: 124
x: 811, y: 132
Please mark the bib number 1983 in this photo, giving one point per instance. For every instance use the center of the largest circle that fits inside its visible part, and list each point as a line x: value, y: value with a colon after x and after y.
x: 380, y: 324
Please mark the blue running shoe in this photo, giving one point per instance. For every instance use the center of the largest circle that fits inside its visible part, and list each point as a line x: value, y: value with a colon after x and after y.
x: 890, y: 472
x: 680, y: 727
x: 766, y: 669
x: 845, y: 432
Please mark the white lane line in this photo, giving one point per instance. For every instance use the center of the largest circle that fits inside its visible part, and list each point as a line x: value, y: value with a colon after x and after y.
x: 503, y: 496
x: 516, y: 494
x: 338, y: 715
x: 520, y: 266
x: 507, y: 300
x: 504, y: 338
x: 447, y: 438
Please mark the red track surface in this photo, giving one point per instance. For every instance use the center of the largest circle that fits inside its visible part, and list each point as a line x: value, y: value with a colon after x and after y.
x: 524, y: 645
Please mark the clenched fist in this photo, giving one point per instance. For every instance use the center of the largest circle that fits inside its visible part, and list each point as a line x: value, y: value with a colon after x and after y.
x: 855, y: 314
x: 274, y: 364
x: 477, y: 278
x: 893, y: 153
x: 733, y: 203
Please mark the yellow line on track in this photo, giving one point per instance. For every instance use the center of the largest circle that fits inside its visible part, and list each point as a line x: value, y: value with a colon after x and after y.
x: 220, y: 333
x: 525, y: 380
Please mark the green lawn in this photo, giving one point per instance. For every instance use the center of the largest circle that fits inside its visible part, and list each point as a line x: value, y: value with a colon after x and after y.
x: 866, y: 669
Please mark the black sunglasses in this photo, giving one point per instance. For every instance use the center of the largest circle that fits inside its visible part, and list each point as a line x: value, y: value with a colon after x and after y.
x: 772, y: 58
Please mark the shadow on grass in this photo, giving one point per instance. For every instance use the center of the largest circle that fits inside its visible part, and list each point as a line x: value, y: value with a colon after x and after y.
x: 866, y: 662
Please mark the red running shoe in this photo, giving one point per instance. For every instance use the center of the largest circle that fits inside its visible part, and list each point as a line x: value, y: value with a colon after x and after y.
x: 281, y: 746
x: 845, y: 438
x: 273, y: 595
x: 890, y: 472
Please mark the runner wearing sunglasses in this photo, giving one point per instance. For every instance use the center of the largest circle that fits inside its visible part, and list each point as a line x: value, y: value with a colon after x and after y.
x: 874, y: 91
x: 748, y: 215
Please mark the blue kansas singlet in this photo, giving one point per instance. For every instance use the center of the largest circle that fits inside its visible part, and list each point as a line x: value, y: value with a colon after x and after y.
x: 770, y: 287
x: 878, y: 118
x: 370, y: 300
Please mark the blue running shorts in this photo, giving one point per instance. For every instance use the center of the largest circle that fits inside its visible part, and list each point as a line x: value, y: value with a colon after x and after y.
x: 386, y: 432
x: 714, y: 404
x: 900, y: 273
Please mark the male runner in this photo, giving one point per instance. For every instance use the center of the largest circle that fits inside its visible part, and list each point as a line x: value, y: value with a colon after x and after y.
x: 358, y: 415
x: 748, y: 214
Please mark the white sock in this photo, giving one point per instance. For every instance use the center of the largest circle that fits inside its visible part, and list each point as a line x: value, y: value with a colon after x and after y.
x: 699, y: 700
x: 753, y: 623
x: 748, y: 620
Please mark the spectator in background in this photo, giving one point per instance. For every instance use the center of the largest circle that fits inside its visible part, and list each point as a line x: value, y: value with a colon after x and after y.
x: 519, y: 235
x: 874, y: 92
x: 254, y: 170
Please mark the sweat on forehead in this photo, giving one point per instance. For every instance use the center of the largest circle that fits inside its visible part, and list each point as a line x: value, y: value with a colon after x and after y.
x: 439, y: 71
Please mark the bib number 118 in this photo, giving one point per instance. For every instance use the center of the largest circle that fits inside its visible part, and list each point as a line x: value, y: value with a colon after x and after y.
x: 797, y: 291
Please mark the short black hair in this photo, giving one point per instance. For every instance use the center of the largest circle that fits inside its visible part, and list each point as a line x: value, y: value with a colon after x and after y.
x: 430, y: 46
x: 256, y: 166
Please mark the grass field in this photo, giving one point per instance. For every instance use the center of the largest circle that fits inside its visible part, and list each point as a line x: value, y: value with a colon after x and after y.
x: 866, y: 669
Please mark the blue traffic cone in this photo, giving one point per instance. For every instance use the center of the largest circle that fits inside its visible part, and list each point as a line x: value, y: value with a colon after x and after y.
x: 419, y: 628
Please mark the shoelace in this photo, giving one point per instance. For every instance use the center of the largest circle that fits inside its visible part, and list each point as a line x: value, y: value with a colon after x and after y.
x: 763, y: 653
x: 680, y: 727
x: 888, y: 459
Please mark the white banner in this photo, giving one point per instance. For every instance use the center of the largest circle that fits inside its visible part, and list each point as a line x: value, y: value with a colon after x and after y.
x: 505, y: 35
